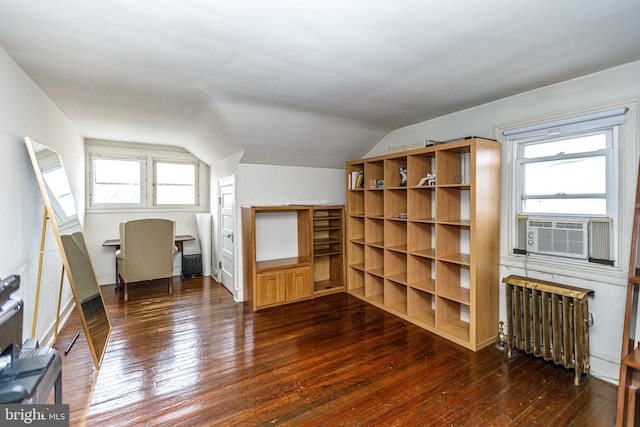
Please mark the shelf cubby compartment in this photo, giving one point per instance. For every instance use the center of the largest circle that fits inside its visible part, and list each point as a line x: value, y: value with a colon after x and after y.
x: 421, y: 306
x: 421, y: 239
x: 356, y: 255
x: 421, y: 273
x: 374, y: 260
x: 374, y: 232
x: 373, y: 171
x: 352, y: 171
x: 453, y: 205
x: 374, y: 203
x: 395, y: 296
x: 327, y: 273
x: 356, y: 229
x: 453, y: 281
x: 421, y: 204
x: 453, y: 165
x: 355, y: 202
x: 452, y: 319
x: 419, y: 165
x: 392, y: 176
x: 395, y: 203
x: 356, y: 281
x: 453, y: 243
x: 395, y: 266
x: 395, y: 235
x: 374, y: 288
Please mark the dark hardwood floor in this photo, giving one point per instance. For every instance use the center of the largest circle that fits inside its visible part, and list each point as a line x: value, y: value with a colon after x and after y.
x: 197, y: 358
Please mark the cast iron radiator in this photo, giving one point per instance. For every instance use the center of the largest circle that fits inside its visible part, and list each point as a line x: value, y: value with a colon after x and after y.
x: 549, y: 320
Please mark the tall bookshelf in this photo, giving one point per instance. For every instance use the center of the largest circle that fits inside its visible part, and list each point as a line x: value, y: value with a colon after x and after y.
x: 429, y: 253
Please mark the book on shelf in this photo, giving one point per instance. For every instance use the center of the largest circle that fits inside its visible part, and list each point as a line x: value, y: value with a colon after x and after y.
x: 356, y: 180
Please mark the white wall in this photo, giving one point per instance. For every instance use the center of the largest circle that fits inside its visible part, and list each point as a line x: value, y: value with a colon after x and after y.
x: 103, y: 226
x: 26, y: 111
x: 600, y: 89
x: 264, y: 185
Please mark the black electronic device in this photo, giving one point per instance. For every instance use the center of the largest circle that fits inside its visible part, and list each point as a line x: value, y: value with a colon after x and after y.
x: 8, y: 285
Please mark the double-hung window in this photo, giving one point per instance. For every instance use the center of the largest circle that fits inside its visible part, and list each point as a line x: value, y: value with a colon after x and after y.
x: 566, y: 175
x: 565, y: 179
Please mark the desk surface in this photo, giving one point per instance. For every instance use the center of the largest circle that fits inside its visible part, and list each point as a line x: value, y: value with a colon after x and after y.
x: 179, y: 238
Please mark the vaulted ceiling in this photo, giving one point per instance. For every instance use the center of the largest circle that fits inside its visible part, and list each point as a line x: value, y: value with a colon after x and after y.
x: 307, y: 83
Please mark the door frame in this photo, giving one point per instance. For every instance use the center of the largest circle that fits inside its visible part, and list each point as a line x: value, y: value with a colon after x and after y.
x: 222, y: 182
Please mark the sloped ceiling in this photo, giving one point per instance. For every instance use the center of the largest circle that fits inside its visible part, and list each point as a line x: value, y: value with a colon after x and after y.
x: 307, y: 83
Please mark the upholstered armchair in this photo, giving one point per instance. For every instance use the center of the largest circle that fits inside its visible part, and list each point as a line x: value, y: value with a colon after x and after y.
x: 147, y: 249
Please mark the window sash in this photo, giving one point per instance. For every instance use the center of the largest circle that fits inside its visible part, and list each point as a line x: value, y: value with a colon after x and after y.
x: 579, y: 193
x: 137, y: 190
x: 175, y: 189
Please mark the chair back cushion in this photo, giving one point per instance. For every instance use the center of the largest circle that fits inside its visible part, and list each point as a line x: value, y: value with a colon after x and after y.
x: 146, y: 249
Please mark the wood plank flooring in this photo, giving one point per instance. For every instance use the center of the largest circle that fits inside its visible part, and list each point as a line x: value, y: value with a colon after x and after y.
x: 196, y: 358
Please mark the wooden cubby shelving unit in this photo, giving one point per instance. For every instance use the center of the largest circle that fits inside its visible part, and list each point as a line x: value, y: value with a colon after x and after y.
x: 328, y: 249
x: 318, y: 269
x: 429, y: 253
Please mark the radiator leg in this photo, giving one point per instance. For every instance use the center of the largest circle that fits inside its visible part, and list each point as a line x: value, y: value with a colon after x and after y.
x: 509, y: 288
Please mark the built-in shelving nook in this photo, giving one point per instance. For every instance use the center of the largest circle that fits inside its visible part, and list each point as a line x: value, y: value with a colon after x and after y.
x: 422, y: 237
x: 292, y: 253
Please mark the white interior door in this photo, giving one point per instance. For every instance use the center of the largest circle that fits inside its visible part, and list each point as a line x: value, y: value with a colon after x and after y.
x: 228, y: 231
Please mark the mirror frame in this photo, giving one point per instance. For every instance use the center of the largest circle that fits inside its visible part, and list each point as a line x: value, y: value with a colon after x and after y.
x: 97, y: 339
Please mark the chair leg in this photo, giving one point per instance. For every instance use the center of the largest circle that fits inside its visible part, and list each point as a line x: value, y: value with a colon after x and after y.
x: 170, y: 284
x: 124, y: 287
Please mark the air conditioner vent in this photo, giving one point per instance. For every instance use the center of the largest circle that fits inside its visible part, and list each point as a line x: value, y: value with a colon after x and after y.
x: 592, y: 240
x: 563, y: 238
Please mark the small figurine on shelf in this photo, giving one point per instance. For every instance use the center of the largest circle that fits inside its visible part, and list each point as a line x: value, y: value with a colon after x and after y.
x: 403, y: 176
x: 429, y: 179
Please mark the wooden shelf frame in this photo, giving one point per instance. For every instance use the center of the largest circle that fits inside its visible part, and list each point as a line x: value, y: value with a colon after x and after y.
x: 429, y: 253
x: 320, y: 265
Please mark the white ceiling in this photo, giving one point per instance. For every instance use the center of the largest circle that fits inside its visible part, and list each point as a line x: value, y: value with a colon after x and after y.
x: 300, y: 82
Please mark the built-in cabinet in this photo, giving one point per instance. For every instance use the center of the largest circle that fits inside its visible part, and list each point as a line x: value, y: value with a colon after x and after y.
x: 423, y: 237
x: 317, y: 262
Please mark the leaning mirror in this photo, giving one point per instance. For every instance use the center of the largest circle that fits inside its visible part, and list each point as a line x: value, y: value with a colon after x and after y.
x: 63, y: 218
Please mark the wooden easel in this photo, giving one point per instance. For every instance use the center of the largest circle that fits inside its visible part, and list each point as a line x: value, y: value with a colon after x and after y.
x: 39, y: 280
x: 629, y: 380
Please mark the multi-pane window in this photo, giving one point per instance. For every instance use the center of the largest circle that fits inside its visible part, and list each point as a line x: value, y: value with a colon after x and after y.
x: 566, y: 175
x: 144, y: 182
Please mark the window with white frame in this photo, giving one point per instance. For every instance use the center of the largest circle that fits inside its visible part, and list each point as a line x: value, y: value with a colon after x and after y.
x: 117, y: 182
x: 565, y: 176
x: 141, y: 176
x: 175, y: 183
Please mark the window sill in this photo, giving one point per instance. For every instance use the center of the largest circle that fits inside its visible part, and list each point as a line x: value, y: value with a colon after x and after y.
x: 578, y: 269
x: 147, y: 209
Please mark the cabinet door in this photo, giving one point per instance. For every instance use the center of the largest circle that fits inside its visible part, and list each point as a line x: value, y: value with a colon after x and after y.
x: 270, y: 289
x: 299, y: 283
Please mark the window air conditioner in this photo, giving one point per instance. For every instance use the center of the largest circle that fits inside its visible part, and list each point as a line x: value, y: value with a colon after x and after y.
x: 564, y: 238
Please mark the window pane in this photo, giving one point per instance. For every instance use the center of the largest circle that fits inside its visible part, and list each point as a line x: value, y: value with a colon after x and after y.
x: 116, y: 181
x: 565, y: 206
x: 175, y: 184
x: 566, y: 146
x: 587, y: 175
